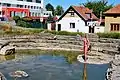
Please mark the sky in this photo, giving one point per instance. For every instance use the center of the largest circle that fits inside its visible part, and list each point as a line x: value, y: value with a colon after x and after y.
x: 66, y: 3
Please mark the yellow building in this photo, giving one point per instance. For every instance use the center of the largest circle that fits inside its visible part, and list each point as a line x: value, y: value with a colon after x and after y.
x: 112, y: 19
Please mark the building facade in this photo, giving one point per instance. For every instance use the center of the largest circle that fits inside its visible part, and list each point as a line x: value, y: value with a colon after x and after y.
x: 112, y: 19
x: 22, y: 8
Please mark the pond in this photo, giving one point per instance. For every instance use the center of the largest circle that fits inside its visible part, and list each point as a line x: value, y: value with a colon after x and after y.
x: 50, y: 67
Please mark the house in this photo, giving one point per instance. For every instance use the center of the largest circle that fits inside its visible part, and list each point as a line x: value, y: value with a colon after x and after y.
x: 112, y: 19
x: 78, y: 19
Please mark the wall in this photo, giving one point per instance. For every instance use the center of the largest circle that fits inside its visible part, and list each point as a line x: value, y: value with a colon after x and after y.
x: 22, y: 3
x: 49, y: 26
x: 14, y: 4
x: 99, y: 29
x: 110, y: 19
x: 79, y: 24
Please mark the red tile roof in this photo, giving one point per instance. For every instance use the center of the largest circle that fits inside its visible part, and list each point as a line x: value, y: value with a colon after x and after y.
x: 114, y: 10
x: 83, y: 12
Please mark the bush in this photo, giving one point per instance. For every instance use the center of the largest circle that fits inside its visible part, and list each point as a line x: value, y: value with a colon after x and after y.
x: 53, y: 32
x: 109, y: 35
x: 16, y: 18
x: 64, y: 33
x: 23, y: 24
x: 69, y: 33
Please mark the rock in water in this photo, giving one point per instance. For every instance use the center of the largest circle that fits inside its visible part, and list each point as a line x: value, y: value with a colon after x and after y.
x: 7, y: 50
x: 19, y: 74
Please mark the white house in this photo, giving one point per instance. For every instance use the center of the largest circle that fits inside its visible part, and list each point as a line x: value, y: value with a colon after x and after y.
x: 78, y: 19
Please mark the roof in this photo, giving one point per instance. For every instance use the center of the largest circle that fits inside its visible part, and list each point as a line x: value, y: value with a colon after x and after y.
x: 114, y: 10
x: 81, y: 12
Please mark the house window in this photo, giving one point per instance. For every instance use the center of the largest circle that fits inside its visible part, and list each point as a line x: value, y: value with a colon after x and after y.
x: 72, y: 25
x: 25, y: 6
x: 34, y: 7
x: 115, y: 16
x: 31, y: 7
x: 115, y: 27
x: 28, y: 6
x: 72, y: 14
x: 0, y: 12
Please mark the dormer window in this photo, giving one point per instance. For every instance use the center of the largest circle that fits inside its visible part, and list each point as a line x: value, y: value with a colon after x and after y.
x: 115, y: 16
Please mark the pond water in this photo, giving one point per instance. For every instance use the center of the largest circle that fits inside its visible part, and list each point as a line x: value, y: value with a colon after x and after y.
x: 49, y: 67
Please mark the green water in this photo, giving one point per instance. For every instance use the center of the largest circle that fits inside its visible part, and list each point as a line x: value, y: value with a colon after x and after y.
x: 50, y: 67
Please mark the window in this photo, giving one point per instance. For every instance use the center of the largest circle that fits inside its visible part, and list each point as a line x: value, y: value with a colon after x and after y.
x: 4, y: 4
x: 37, y: 7
x: 34, y: 7
x: 29, y: 13
x: 46, y: 13
x: 28, y: 6
x: 115, y: 16
x: 25, y: 6
x: 33, y: 14
x: 72, y: 14
x: 21, y: 6
x: 115, y: 27
x: 29, y: 0
x: 18, y: 5
x: 31, y: 7
x: 8, y: 5
x: 38, y: 14
x: 38, y: 1
x: 72, y: 25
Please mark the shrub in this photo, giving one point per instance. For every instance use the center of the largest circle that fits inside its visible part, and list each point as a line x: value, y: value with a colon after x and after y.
x: 23, y: 24
x: 69, y: 33
x: 53, y: 32
x: 16, y: 18
x: 64, y: 33
x: 109, y: 35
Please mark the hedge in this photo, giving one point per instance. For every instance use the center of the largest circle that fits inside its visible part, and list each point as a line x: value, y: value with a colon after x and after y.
x: 64, y: 33
x: 114, y: 35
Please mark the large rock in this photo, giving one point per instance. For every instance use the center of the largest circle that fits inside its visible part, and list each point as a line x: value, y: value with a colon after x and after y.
x: 7, y: 50
x: 2, y: 77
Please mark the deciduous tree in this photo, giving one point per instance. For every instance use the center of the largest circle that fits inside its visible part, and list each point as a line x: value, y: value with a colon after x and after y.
x: 59, y: 10
x: 49, y: 7
x: 98, y: 6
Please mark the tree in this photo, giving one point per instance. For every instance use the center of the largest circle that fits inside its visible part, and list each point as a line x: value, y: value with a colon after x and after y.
x: 59, y: 10
x: 50, y: 18
x: 98, y: 6
x: 49, y: 7
x: 16, y: 18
